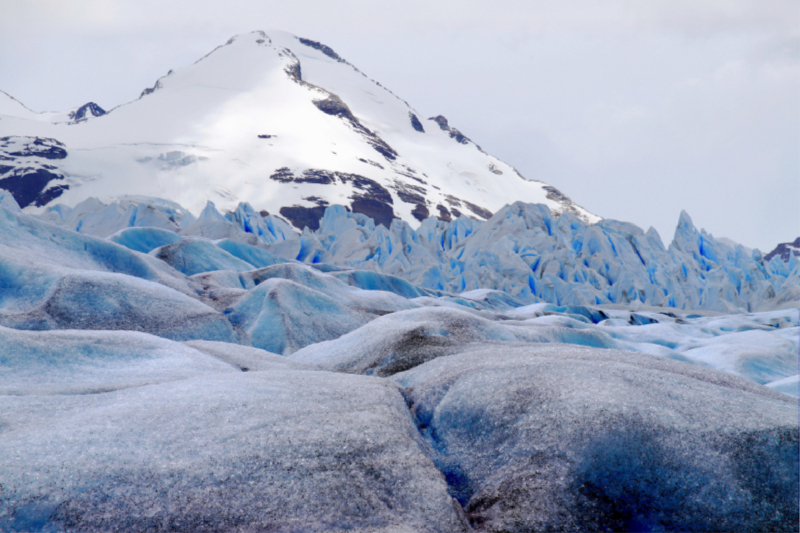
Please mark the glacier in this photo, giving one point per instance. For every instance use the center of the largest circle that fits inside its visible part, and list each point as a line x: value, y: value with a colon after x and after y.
x: 166, y: 371
x: 524, y: 251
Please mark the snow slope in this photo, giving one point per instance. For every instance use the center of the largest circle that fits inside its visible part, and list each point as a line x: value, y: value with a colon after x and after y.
x: 278, y: 121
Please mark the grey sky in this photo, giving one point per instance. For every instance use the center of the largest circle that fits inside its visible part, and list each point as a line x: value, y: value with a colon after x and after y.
x: 634, y: 109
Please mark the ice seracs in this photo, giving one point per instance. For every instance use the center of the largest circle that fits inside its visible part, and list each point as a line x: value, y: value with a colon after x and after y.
x: 525, y: 253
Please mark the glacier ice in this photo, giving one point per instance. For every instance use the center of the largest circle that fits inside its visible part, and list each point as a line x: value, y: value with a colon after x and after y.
x: 194, y: 256
x: 402, y: 340
x: 270, y: 450
x: 109, y: 301
x: 524, y: 252
x: 258, y: 257
x: 144, y: 239
x: 540, y: 438
x: 528, y: 253
x: 44, y: 363
x: 762, y: 347
x: 7, y: 200
x: 539, y: 369
x: 282, y: 316
x: 533, y: 408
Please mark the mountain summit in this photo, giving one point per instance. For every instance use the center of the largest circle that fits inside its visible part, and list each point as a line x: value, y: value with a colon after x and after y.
x: 275, y: 120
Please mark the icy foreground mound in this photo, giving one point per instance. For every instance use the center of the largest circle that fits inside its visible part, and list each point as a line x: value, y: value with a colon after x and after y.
x: 524, y: 437
x: 575, y: 439
x: 275, y: 450
x: 322, y: 397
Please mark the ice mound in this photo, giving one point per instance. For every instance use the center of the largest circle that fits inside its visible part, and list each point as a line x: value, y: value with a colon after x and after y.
x: 566, y: 438
x: 762, y: 347
x: 144, y: 239
x: 790, y: 385
x: 107, y: 301
x: 402, y: 340
x: 194, y: 256
x: 26, y: 239
x: 373, y: 300
x: 275, y: 450
x: 282, y: 316
x: 89, y: 362
x: 246, y: 358
x: 31, y: 248
x: 374, y: 281
x: 254, y: 255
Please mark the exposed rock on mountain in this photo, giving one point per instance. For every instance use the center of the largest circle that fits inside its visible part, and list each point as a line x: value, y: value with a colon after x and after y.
x: 784, y: 250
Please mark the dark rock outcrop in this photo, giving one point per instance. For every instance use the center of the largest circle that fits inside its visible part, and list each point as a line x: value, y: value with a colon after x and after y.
x: 415, y: 123
x: 420, y: 212
x: 302, y: 217
x: 454, y: 133
x: 327, y: 50
x: 371, y: 199
x: 784, y: 249
x: 334, y: 106
x: 31, y: 187
x: 12, y: 147
x: 85, y: 111
x: 478, y: 210
x: 25, y: 175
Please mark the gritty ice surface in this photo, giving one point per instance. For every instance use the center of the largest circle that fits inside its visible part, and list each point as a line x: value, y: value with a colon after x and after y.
x: 540, y: 438
x: 274, y: 450
x: 41, y: 363
x: 762, y: 347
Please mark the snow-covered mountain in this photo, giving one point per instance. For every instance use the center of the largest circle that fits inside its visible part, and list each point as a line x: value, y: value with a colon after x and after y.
x: 278, y: 121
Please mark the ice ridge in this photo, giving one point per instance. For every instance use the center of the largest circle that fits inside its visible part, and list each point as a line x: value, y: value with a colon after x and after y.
x: 524, y: 250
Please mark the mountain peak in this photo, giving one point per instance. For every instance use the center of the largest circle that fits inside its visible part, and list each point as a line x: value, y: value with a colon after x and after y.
x: 288, y: 125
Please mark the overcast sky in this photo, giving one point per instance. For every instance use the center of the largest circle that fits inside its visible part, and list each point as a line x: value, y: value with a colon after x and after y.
x: 634, y: 109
